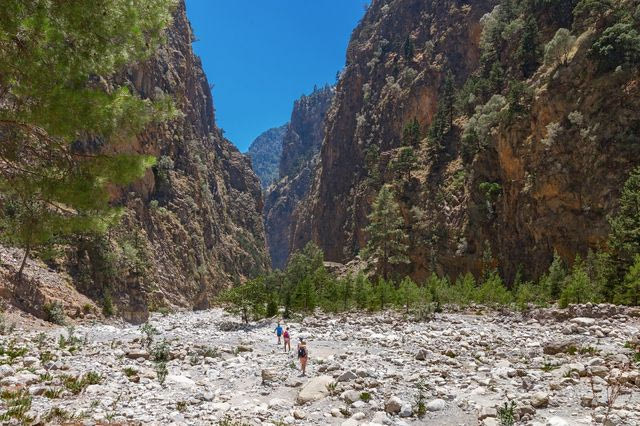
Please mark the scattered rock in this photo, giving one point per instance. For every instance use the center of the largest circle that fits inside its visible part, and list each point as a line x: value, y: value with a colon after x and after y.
x: 436, y: 405
x: 393, y: 405
x: 539, y: 400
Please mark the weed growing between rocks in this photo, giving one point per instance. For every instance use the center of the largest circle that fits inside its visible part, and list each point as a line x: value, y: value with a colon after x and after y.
x: 18, y: 404
x: 149, y: 332
x: 77, y: 384
x: 506, y: 414
x: 420, y: 398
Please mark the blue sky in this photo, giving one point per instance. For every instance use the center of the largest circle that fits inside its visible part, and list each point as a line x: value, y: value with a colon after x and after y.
x: 261, y: 55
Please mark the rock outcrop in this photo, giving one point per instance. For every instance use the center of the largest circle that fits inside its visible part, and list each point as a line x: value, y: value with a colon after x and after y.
x: 301, y: 145
x: 265, y: 153
x: 193, y: 224
x: 547, y: 176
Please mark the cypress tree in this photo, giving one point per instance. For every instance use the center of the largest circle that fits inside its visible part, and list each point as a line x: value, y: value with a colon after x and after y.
x: 387, y: 243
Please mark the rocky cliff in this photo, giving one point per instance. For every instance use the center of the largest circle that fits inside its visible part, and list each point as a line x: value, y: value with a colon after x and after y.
x: 515, y: 153
x: 193, y: 224
x: 265, y: 152
x: 301, y: 144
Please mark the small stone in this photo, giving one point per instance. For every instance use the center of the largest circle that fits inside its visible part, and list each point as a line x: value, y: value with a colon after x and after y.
x: 406, y: 410
x: 347, y: 376
x: 350, y: 396
x: 436, y: 405
x: 539, y: 400
x: 299, y: 415
x: 557, y: 421
x: 422, y: 355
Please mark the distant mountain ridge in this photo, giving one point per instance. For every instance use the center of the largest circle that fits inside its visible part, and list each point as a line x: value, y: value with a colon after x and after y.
x: 265, y: 152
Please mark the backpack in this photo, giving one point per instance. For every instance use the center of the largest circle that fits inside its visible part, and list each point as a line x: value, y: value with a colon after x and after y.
x: 302, y: 352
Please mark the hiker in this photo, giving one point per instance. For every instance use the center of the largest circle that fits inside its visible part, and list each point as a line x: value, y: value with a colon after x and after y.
x: 303, y: 356
x: 278, y: 332
x: 287, y: 340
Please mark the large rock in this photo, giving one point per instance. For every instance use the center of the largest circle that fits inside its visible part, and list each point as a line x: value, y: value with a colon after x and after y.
x: 269, y: 375
x: 559, y: 346
x: 315, y: 389
x: 393, y: 405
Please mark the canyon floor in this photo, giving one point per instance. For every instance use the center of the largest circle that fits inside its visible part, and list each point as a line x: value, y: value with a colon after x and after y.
x: 558, y: 367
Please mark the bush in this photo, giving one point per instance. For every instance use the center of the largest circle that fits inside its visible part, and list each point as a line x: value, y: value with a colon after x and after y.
x: 54, y: 312
x: 477, y: 133
x: 558, y: 49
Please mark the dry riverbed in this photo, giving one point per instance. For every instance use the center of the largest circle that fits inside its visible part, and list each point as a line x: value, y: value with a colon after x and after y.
x: 572, y: 367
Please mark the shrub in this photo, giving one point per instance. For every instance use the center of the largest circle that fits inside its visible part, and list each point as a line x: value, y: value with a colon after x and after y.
x: 558, y: 49
x: 477, y: 134
x: 54, y: 312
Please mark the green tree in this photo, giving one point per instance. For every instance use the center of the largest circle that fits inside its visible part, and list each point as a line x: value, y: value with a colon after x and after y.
x: 466, y: 289
x: 408, y: 294
x: 443, y: 120
x: 404, y: 163
x: 553, y: 281
x: 408, y: 48
x: 493, y: 292
x: 558, y: 49
x: 528, y: 53
x: 247, y: 300
x: 578, y: 287
x: 411, y: 133
x: 618, y: 45
x: 384, y: 294
x: 54, y: 58
x: 387, y: 244
x: 362, y: 291
x: 590, y: 12
x: 346, y: 291
x: 630, y: 293
x: 624, y: 237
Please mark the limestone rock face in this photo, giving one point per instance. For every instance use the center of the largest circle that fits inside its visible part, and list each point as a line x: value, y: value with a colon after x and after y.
x: 300, y: 147
x: 193, y: 223
x: 556, y: 168
x: 265, y: 153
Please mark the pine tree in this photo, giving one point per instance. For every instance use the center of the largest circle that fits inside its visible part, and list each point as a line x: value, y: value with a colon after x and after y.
x: 411, y: 133
x: 442, y: 122
x: 408, y: 48
x: 528, y: 53
x: 553, y: 281
x: 404, y: 163
x: 387, y: 240
x: 408, y: 294
x: 624, y: 238
x: 630, y: 293
x: 53, y: 57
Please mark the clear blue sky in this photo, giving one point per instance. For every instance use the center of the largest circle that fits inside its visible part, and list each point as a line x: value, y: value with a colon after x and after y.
x: 261, y: 55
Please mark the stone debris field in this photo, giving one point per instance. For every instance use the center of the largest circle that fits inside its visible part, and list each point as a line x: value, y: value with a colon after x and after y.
x: 551, y: 367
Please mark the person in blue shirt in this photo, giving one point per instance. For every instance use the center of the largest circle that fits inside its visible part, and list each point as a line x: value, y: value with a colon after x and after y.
x: 278, y: 332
